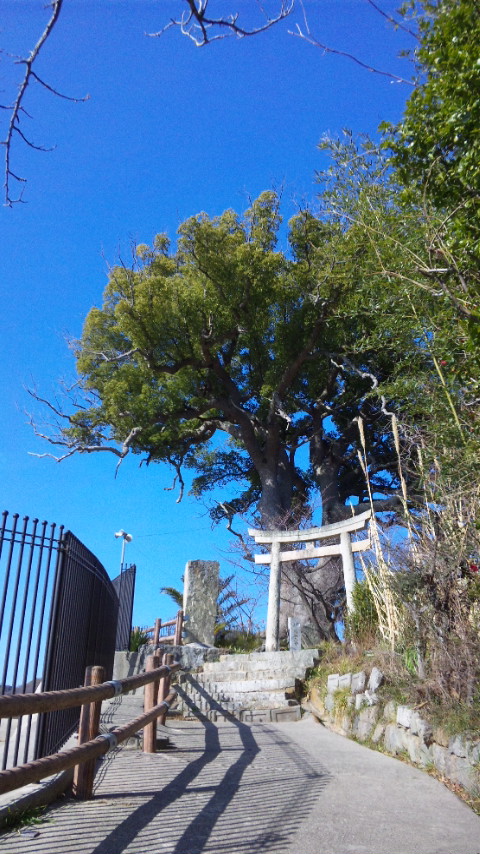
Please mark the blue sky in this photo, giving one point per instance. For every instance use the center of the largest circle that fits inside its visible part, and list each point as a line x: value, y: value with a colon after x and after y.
x: 169, y: 130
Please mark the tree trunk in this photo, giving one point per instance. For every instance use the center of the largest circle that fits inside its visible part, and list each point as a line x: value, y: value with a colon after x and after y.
x: 315, y: 595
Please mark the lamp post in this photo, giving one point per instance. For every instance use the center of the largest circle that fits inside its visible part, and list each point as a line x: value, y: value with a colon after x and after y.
x: 127, y: 538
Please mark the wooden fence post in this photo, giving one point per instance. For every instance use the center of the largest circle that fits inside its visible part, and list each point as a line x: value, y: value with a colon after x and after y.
x: 151, y: 691
x: 156, y: 631
x: 88, y: 729
x: 178, y: 629
x: 164, y: 687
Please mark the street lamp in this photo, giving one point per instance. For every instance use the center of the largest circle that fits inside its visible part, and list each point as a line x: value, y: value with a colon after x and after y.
x: 127, y: 538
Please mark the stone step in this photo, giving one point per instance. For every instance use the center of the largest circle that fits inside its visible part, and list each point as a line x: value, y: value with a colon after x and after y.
x: 265, y: 700
x: 221, y: 675
x: 247, y: 686
x: 261, y: 699
x: 252, y: 684
x: 255, y: 661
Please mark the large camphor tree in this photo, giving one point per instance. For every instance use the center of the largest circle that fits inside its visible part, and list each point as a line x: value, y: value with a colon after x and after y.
x: 226, y: 335
x: 252, y: 365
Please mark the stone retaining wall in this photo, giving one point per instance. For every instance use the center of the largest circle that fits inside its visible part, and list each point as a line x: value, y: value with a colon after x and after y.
x: 190, y: 656
x: 351, y: 707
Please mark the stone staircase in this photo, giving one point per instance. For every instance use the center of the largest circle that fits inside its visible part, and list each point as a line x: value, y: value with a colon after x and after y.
x: 255, y: 687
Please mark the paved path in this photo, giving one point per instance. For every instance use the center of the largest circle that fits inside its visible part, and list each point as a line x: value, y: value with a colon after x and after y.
x: 236, y: 789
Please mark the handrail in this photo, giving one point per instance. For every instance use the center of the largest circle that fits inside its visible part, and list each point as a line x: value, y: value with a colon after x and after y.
x: 163, y: 624
x: 14, y: 705
x: 175, y: 638
x: 157, y: 680
x: 21, y: 775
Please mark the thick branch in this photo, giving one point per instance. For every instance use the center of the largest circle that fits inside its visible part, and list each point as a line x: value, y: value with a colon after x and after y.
x: 195, y: 24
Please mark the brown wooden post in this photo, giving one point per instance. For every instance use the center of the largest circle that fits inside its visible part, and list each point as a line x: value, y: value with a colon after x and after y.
x: 165, y: 688
x: 84, y: 722
x: 156, y: 631
x: 162, y: 683
x: 178, y: 629
x: 88, y: 729
x: 151, y: 690
x: 83, y: 727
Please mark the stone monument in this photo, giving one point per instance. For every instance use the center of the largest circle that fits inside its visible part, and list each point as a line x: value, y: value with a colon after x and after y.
x: 200, y: 593
x: 294, y: 634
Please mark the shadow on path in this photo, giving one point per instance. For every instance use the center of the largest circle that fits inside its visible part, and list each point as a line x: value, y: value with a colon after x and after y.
x: 227, y: 788
x: 134, y: 823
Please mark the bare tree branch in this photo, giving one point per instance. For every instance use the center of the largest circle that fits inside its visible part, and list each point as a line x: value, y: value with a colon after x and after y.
x: 74, y: 444
x: 177, y: 465
x: 396, y: 23
x: 202, y: 30
x: 17, y: 109
x: 194, y: 23
x: 305, y: 34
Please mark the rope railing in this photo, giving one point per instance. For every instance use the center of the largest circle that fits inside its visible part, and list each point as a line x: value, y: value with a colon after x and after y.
x: 15, y: 705
x: 158, y: 699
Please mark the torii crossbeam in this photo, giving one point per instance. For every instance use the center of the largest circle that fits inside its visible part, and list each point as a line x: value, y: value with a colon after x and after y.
x: 345, y: 548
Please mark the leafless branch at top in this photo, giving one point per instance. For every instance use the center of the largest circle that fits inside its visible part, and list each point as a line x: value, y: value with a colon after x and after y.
x: 17, y: 109
x: 396, y: 23
x: 202, y: 30
x: 305, y: 34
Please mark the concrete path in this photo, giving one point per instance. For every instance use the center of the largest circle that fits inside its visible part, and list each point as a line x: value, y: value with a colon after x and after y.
x: 231, y: 788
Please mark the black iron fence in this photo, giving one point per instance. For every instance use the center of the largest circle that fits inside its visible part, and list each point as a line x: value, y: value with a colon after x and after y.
x: 29, y: 559
x: 58, y: 614
x: 124, y: 585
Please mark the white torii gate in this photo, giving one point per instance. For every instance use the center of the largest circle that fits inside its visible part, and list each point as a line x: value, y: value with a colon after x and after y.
x: 345, y: 548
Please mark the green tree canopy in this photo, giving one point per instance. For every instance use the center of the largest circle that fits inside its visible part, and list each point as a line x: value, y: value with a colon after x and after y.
x: 436, y: 147
x: 252, y: 362
x: 276, y: 350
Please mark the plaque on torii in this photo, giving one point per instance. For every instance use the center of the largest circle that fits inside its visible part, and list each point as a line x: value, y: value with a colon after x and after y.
x: 344, y: 548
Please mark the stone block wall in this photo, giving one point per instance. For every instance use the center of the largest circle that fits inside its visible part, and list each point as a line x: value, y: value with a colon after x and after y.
x: 351, y: 706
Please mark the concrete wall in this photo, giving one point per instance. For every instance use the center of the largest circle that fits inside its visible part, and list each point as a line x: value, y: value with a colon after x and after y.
x: 190, y: 657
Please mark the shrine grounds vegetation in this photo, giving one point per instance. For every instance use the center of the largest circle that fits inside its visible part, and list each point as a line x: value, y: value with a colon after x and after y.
x: 332, y: 359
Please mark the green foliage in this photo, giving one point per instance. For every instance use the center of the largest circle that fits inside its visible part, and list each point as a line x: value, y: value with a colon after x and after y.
x: 362, y: 624
x: 28, y: 818
x: 438, y: 143
x: 276, y: 349
x: 229, y: 336
x: 343, y: 702
x: 435, y: 154
x: 239, y: 641
x: 410, y: 660
x: 229, y: 609
x: 436, y: 148
x: 138, y: 638
x: 174, y: 594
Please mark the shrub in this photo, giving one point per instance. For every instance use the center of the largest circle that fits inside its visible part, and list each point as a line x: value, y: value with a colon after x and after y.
x: 138, y: 637
x: 362, y: 624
